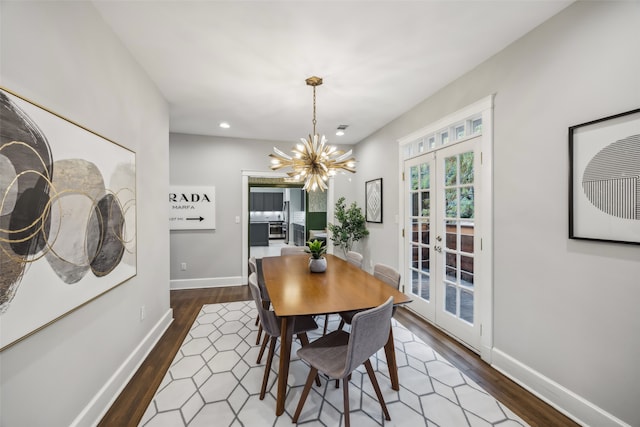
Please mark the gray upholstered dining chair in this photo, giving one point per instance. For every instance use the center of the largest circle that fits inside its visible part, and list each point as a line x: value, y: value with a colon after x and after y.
x: 292, y: 250
x: 339, y: 353
x: 266, y: 301
x: 355, y: 258
x: 383, y: 272
x: 271, y: 327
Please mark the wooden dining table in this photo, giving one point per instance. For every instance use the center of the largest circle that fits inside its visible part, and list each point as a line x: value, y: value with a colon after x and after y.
x: 295, y: 291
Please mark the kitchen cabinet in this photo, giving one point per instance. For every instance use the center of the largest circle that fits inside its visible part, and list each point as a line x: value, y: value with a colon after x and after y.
x: 266, y: 202
x: 257, y: 202
x: 277, y: 200
x: 259, y: 234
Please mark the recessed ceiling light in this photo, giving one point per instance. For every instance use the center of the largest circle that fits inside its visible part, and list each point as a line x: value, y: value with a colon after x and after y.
x: 340, y: 132
x: 341, y: 129
x: 225, y: 125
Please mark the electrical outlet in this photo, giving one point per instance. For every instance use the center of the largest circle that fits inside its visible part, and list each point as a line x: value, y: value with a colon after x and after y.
x: 183, y: 266
x: 142, y: 313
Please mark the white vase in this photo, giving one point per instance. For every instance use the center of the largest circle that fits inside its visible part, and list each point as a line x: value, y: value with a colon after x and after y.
x: 317, y: 265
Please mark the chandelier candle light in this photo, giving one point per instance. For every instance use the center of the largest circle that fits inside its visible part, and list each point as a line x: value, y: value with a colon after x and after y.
x: 313, y: 159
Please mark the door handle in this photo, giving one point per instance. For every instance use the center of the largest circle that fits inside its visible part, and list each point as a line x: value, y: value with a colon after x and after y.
x: 439, y: 238
x: 438, y: 248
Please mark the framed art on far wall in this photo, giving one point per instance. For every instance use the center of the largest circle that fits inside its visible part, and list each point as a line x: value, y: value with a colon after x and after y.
x: 604, y: 181
x: 373, y: 200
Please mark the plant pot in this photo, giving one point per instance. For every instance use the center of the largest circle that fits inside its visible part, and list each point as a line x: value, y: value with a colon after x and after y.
x: 317, y: 265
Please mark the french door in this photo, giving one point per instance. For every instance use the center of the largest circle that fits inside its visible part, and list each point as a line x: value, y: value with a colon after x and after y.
x: 442, y: 191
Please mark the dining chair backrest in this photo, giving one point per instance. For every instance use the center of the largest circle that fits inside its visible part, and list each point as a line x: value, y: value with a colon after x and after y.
x: 387, y: 274
x: 355, y: 258
x: 268, y: 319
x: 369, y: 333
x: 292, y: 250
x: 253, y: 265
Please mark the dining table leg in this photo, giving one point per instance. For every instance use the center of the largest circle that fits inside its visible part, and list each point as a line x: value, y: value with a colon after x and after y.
x: 286, y: 337
x: 392, y: 364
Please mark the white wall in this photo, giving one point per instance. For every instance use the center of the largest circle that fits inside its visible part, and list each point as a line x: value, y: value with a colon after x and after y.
x: 62, y: 56
x: 566, y: 319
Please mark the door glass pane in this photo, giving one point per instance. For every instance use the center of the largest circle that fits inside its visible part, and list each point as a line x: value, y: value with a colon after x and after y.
x: 476, y: 126
x: 425, y: 260
x: 415, y: 282
x: 466, y: 306
x: 451, y: 202
x: 415, y: 206
x: 466, y: 237
x: 425, y: 233
x: 451, y: 300
x: 451, y: 267
x: 424, y: 284
x: 466, y: 168
x: 444, y: 138
x: 452, y: 235
x: 466, y: 202
x: 425, y: 178
x: 413, y: 172
x: 415, y: 261
x: 415, y: 231
x: 451, y: 171
x: 466, y: 271
x: 459, y: 131
x: 426, y: 204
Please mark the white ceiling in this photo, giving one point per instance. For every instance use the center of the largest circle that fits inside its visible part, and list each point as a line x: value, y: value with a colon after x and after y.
x: 245, y: 62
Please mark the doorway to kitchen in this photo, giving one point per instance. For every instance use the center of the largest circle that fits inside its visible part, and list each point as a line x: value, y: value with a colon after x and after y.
x: 317, y: 208
x: 276, y: 213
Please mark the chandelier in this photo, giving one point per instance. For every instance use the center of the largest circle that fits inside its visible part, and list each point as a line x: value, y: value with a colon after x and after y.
x: 313, y: 160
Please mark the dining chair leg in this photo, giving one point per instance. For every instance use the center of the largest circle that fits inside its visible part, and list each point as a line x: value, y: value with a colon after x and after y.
x: 257, y: 320
x: 305, y: 392
x: 390, y: 353
x: 262, y: 348
x: 267, y: 368
x: 341, y: 325
x: 345, y: 393
x: 326, y: 323
x: 259, y: 334
x: 376, y: 387
x: 338, y: 381
x: 304, y: 340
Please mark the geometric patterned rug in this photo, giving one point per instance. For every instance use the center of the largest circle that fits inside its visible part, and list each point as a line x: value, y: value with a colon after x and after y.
x: 214, y: 381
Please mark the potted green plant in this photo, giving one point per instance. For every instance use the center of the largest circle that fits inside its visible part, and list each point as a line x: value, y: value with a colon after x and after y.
x: 351, y: 227
x: 317, y: 262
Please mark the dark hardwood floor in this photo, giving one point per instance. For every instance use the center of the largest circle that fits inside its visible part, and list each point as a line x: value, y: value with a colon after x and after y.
x: 130, y: 406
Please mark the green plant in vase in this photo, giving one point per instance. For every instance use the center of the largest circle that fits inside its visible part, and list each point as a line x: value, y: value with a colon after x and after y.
x: 351, y: 227
x: 317, y: 263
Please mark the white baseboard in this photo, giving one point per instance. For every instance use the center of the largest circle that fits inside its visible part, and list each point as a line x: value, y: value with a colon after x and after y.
x: 564, y: 400
x: 210, y: 282
x: 102, y: 401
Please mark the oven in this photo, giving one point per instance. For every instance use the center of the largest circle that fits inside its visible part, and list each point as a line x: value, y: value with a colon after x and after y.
x: 277, y: 229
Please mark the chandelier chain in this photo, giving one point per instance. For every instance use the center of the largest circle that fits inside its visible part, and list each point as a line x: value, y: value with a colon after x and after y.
x: 314, y: 110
